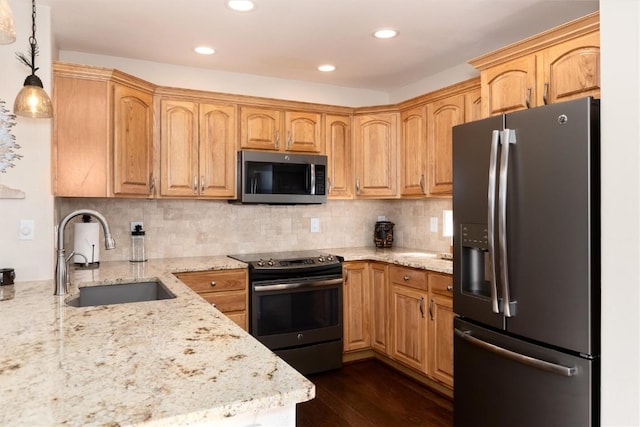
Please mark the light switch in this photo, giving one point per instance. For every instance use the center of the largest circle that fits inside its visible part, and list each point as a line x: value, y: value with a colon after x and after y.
x: 434, y: 224
x: 315, y: 225
x: 26, y: 229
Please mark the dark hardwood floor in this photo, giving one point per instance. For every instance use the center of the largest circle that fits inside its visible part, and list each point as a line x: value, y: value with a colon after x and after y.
x: 369, y: 393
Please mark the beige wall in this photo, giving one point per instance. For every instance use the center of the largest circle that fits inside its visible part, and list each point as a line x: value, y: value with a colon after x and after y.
x: 32, y: 259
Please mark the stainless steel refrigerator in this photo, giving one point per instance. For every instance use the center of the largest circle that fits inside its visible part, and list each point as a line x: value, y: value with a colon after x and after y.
x: 526, y: 208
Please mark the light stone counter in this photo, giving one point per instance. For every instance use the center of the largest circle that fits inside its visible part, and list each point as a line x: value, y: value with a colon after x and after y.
x: 169, y: 362
x: 415, y: 258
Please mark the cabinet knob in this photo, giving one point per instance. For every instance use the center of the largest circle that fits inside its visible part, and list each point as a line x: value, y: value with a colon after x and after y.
x: 449, y: 287
x: 405, y: 278
x: 213, y: 283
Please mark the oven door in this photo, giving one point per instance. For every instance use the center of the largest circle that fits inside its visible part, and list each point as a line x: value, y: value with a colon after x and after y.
x: 296, y: 312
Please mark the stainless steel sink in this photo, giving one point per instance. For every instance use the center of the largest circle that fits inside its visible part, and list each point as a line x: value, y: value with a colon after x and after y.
x: 121, y: 293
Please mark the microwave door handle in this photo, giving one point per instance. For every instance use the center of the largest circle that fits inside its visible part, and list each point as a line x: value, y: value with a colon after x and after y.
x: 508, y: 138
x: 313, y: 179
x: 491, y: 217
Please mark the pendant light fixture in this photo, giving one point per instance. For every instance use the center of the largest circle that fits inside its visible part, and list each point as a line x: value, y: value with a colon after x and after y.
x: 32, y: 101
x: 7, y: 27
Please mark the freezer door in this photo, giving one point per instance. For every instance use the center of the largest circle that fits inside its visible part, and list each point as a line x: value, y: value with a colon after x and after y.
x: 474, y: 283
x: 504, y: 382
x: 553, y: 225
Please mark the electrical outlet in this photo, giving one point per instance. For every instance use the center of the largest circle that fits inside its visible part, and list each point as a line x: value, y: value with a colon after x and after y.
x: 134, y: 223
x: 381, y: 218
x: 434, y: 224
x: 315, y: 225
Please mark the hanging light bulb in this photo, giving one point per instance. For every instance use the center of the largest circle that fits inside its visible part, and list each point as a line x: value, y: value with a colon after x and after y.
x: 7, y: 27
x: 32, y: 100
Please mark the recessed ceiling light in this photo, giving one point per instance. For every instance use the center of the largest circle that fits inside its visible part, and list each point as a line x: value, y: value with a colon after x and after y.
x: 241, y: 5
x: 204, y: 50
x: 327, y: 67
x: 385, y: 33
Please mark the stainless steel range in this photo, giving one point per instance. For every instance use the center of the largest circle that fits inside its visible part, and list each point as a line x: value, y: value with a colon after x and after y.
x: 295, y: 306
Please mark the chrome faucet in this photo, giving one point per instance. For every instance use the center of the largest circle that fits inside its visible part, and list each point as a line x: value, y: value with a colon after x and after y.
x: 61, y: 265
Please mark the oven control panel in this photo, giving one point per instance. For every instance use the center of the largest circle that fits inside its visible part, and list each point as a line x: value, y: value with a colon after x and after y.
x: 296, y: 262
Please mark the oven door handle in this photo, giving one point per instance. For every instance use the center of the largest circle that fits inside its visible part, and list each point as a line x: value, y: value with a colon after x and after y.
x: 297, y: 285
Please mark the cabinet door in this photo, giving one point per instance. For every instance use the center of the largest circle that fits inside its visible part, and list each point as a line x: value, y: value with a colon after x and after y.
x: 376, y: 155
x: 217, y: 150
x: 356, y: 306
x: 409, y: 326
x: 179, y: 148
x: 132, y: 141
x: 303, y: 132
x: 260, y: 128
x: 472, y: 105
x: 509, y: 86
x: 379, y: 305
x: 441, y: 339
x: 80, y: 137
x: 442, y: 116
x: 339, y: 153
x: 571, y: 70
x: 413, y: 152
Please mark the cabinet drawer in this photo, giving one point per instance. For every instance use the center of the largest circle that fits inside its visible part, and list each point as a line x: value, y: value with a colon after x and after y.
x: 226, y: 302
x: 409, y: 277
x: 441, y: 284
x: 215, y: 281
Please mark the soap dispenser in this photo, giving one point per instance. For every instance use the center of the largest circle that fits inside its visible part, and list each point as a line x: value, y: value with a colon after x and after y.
x: 137, y: 244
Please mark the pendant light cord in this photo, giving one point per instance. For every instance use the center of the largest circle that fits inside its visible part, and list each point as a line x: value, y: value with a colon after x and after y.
x: 32, y: 40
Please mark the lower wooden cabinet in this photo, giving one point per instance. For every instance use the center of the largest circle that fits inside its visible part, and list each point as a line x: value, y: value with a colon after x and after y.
x: 227, y: 290
x: 355, y: 302
x: 440, y: 333
x: 404, y: 313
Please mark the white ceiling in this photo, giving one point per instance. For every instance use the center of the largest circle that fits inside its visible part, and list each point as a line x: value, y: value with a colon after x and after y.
x: 290, y: 38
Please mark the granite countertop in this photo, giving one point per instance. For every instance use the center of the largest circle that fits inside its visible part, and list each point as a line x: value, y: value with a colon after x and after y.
x: 171, y: 362
x: 415, y: 258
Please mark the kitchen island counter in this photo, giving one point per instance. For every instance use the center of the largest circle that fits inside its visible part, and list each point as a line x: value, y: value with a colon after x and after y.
x: 169, y: 362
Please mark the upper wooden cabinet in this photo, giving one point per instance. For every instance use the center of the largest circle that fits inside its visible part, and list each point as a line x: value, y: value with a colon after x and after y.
x: 557, y: 65
x: 272, y: 129
x: 413, y: 152
x: 376, y: 146
x: 102, y: 133
x: 197, y: 148
x: 340, y: 156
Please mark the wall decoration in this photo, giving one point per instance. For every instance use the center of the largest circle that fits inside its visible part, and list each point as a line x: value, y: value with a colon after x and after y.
x: 7, y: 151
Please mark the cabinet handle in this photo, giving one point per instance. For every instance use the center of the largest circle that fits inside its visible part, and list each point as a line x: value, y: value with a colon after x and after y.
x: 449, y: 288
x: 431, y: 309
x: 202, y: 184
x: 527, y: 100
x: 195, y: 184
x: 152, y: 184
x: 545, y: 93
x: 357, y: 185
x: 422, y: 184
x: 405, y: 278
x: 330, y: 185
x: 422, y: 307
x: 277, y: 139
x: 213, y: 283
x: 288, y: 139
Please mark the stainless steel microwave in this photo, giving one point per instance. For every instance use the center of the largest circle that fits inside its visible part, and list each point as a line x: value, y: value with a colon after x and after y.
x: 281, y: 178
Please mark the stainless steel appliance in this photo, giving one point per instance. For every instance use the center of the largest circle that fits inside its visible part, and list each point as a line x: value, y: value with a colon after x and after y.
x: 295, y: 306
x: 526, y: 206
x: 281, y: 178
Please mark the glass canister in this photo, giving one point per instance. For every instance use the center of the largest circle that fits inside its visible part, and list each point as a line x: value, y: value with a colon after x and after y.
x: 383, y: 234
x: 137, y: 245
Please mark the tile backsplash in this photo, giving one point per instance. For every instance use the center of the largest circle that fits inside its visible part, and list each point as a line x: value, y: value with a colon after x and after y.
x: 183, y: 228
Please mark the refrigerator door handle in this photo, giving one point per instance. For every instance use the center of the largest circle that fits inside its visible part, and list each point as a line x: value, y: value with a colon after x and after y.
x: 543, y: 365
x: 491, y: 216
x: 508, y: 138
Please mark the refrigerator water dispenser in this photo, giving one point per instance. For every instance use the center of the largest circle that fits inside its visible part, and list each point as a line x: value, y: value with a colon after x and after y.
x: 476, y: 261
